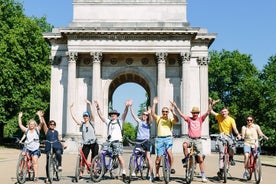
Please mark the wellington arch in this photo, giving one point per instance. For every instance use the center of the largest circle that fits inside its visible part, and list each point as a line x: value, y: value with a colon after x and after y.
x: 112, y: 42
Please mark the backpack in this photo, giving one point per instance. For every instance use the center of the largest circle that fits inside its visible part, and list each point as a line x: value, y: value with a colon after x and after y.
x: 122, y: 131
x: 90, y: 124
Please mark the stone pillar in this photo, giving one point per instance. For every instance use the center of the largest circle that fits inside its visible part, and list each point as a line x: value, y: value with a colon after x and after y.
x: 71, y: 91
x: 185, y: 105
x: 204, y: 95
x: 97, y: 89
x: 161, y: 79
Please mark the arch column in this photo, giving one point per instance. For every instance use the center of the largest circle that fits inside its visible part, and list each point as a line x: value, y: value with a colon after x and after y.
x: 185, y: 99
x: 204, y: 90
x: 97, y: 88
x: 71, y: 90
x: 161, y: 79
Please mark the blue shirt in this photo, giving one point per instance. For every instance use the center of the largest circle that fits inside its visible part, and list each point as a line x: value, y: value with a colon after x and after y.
x: 143, y: 130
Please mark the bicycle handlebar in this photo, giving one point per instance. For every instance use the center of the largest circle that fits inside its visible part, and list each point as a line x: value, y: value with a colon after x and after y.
x: 135, y: 142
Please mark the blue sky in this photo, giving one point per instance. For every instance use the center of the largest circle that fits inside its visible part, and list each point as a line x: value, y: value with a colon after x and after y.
x: 245, y: 25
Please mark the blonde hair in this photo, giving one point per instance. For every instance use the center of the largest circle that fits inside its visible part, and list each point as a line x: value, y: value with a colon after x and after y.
x: 32, y: 120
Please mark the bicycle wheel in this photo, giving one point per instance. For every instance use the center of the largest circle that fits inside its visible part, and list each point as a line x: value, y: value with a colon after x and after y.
x: 190, y: 170
x: 115, y: 169
x: 21, y: 169
x: 225, y: 167
x: 50, y: 168
x: 97, y: 168
x: 78, y: 168
x: 258, y: 170
x: 144, y: 170
x: 166, y: 169
x: 131, y: 167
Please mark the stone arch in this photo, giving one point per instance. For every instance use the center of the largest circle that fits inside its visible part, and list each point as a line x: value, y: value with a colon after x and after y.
x: 131, y: 75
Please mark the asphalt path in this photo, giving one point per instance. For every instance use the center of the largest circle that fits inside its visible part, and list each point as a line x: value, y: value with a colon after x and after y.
x: 8, y: 161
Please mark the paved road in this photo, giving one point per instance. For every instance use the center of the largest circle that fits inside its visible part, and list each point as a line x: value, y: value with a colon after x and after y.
x: 8, y: 160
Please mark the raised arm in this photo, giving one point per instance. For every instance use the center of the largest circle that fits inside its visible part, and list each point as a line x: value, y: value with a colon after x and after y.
x: 213, y: 103
x: 178, y: 110
x: 173, y: 113
x: 99, y: 111
x: 132, y: 113
x: 155, y: 101
x: 209, y: 110
x: 21, y: 126
x: 125, y: 111
x: 91, y: 110
x: 73, y: 115
x: 42, y: 120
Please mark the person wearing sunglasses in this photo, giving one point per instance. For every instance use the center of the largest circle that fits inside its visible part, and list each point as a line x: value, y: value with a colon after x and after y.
x: 226, y: 125
x: 194, y: 132
x: 250, y: 133
x: 89, y: 138
x: 164, y: 135
x: 52, y: 135
x: 143, y: 134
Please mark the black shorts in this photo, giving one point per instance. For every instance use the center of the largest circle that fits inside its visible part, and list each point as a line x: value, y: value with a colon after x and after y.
x: 145, y: 146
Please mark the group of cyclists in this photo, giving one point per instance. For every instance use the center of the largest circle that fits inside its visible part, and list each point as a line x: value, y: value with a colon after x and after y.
x: 164, y: 123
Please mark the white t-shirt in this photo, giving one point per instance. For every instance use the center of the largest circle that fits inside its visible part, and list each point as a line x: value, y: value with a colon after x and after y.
x: 114, y: 129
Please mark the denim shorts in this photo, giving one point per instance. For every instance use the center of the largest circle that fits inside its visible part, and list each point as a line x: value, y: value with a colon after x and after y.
x: 159, y: 143
x: 34, y: 153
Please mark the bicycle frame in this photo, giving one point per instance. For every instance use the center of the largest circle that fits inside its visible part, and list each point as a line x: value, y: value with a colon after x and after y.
x: 84, y: 161
x: 225, y: 157
x: 254, y: 164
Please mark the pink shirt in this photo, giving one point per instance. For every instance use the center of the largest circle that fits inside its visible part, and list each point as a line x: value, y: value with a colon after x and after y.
x: 194, y: 126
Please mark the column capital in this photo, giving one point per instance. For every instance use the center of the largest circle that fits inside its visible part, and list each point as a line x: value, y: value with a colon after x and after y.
x: 72, y: 56
x: 203, y: 61
x: 161, y: 57
x: 96, y: 56
x: 185, y: 57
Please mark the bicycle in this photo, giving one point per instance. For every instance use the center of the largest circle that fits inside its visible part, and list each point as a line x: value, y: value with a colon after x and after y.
x: 52, y: 163
x: 254, y: 164
x: 24, y: 167
x: 225, y: 158
x: 166, y: 165
x: 138, y: 162
x: 191, y: 162
x: 81, y: 163
x: 105, y: 161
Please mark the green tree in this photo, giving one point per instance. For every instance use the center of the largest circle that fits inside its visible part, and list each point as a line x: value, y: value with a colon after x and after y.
x: 129, y: 131
x: 25, y: 70
x: 235, y: 80
x: 267, y: 110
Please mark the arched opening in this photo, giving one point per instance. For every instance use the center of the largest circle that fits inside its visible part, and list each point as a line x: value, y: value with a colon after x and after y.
x: 128, y: 86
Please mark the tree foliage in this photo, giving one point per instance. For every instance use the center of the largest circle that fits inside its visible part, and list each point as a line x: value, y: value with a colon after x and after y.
x: 237, y: 82
x: 129, y: 131
x: 25, y: 70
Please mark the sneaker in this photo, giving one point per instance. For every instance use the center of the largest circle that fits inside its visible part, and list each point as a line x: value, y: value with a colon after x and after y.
x: 245, y: 175
x: 185, y: 161
x: 232, y: 162
x: 204, y: 180
x: 172, y: 171
x: 35, y: 179
x: 80, y: 178
x: 133, y: 174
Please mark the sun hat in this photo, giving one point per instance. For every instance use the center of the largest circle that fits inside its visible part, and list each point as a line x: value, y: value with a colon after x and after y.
x: 195, y: 109
x: 114, y: 112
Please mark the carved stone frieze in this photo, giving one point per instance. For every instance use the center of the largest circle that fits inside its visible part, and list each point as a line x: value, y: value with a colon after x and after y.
x: 129, y: 61
x: 144, y: 61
